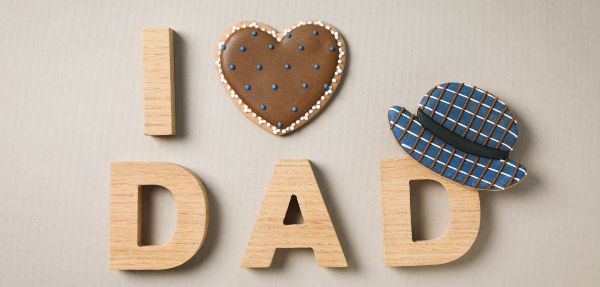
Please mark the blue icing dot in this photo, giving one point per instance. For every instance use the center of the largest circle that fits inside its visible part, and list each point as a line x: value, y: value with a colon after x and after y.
x: 287, y: 66
x: 305, y: 85
x: 259, y: 67
x: 274, y: 87
x: 315, y: 32
x: 331, y: 48
x: 301, y: 48
x: 271, y: 46
x: 289, y: 35
x: 326, y: 86
x: 254, y: 33
x: 247, y: 87
x: 263, y: 107
x: 223, y: 47
x: 294, y: 109
x: 316, y: 66
x: 242, y: 48
x: 279, y: 124
x: 231, y: 67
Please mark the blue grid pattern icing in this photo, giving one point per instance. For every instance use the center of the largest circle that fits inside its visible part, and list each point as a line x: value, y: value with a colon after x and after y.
x: 464, y: 106
x: 476, y: 172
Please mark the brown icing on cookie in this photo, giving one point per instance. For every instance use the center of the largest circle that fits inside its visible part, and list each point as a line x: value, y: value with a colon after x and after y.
x: 284, y: 80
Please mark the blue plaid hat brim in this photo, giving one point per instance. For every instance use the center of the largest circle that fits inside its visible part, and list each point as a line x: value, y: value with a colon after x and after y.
x: 444, y: 159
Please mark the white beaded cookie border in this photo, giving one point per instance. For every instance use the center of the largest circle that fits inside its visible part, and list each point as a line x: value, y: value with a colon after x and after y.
x: 319, y: 105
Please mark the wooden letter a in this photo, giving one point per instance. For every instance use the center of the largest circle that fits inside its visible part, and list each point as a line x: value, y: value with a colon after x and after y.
x: 399, y: 248
x: 293, y: 177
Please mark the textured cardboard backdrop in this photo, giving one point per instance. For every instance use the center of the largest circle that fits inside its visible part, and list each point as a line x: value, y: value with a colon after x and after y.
x: 71, y: 102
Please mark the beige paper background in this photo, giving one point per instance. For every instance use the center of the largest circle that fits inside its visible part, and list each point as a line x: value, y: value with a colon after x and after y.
x: 71, y: 102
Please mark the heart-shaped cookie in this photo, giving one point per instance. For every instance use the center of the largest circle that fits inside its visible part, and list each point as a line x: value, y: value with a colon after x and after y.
x: 281, y: 80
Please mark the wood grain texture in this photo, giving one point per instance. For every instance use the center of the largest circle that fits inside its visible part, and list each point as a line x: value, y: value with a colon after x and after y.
x: 293, y: 177
x: 159, y: 81
x: 399, y: 248
x: 125, y: 215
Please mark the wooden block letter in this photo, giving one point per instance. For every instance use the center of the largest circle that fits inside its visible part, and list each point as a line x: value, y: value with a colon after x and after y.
x: 293, y: 177
x: 159, y: 82
x: 399, y: 248
x: 192, y: 215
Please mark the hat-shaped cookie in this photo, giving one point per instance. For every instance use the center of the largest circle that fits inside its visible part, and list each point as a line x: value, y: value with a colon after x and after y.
x: 462, y: 133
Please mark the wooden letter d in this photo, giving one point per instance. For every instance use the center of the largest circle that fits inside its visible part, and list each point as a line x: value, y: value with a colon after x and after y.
x: 126, y: 178
x: 399, y: 248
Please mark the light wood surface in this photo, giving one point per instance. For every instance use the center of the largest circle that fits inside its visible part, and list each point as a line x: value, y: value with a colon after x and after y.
x: 399, y: 248
x: 125, y: 215
x: 293, y: 177
x: 159, y: 81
